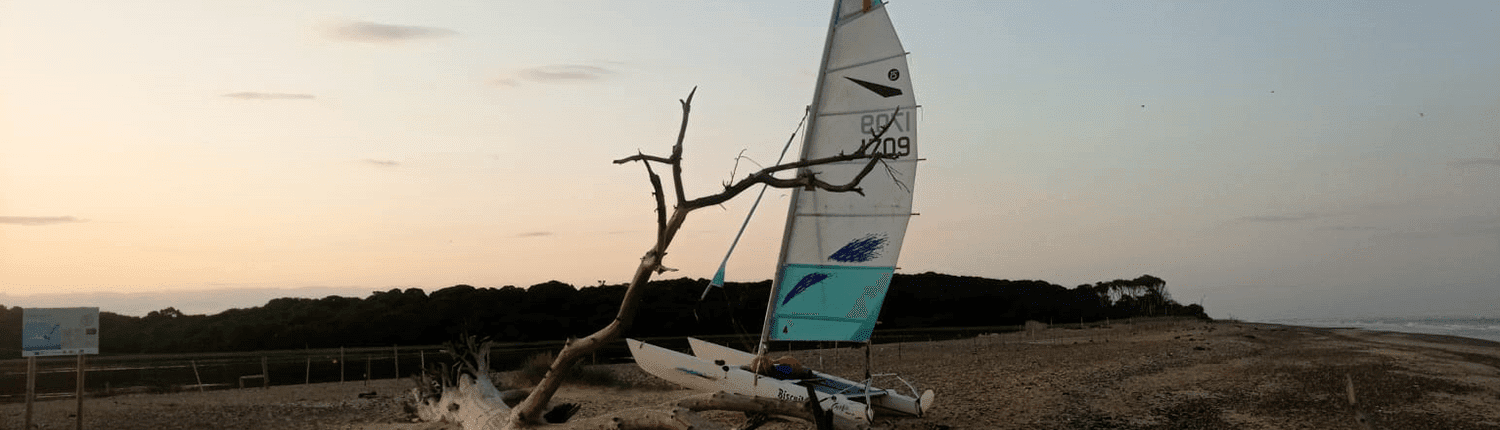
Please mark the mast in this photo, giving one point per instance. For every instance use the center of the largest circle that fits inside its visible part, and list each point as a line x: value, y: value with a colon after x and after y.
x: 791, y: 211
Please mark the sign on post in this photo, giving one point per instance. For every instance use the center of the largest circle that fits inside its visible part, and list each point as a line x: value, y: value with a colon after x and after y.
x: 59, y: 331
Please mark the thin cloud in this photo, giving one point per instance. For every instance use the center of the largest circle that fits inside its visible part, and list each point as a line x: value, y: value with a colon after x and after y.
x: 1476, y: 226
x: 556, y: 73
x: 1349, y: 228
x: 251, y: 95
x: 372, y: 32
x: 38, y: 220
x: 1463, y: 162
x: 535, y: 234
x: 565, y: 72
x: 381, y: 163
x: 1281, y: 218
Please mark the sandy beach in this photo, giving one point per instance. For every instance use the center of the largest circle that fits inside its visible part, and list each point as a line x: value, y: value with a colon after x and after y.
x: 1158, y: 375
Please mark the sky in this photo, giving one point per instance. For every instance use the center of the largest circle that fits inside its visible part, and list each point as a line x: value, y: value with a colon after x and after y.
x: 1268, y: 159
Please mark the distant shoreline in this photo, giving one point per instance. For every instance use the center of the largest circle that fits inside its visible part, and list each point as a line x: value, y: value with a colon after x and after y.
x: 1482, y: 328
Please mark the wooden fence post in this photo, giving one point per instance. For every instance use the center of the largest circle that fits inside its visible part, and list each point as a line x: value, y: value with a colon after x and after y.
x: 30, y: 387
x: 307, y: 377
x: 80, y: 390
x: 341, y: 365
x: 196, y: 377
x: 396, y: 357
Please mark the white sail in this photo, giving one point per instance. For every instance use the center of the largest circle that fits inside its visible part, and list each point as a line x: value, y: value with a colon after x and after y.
x: 840, y: 249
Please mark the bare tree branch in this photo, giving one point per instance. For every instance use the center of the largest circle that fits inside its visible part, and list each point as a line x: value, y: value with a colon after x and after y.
x: 687, y: 106
x: 764, y: 176
x: 875, y: 135
x: 806, y: 181
x: 661, y: 212
x: 891, y: 172
x: 736, y: 168
x: 809, y: 180
x: 784, y: 148
x: 643, y: 157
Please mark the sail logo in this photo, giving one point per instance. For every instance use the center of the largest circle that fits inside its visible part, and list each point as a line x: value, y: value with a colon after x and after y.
x: 882, y: 90
x: 860, y: 250
x: 803, y: 284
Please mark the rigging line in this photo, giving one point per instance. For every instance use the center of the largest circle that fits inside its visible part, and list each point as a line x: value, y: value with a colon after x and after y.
x: 718, y: 280
x: 739, y: 329
x: 744, y: 335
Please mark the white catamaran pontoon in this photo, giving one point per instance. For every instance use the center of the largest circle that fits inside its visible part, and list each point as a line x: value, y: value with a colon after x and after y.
x: 839, y: 249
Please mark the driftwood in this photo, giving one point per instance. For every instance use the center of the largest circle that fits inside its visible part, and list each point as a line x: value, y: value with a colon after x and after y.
x: 467, y: 396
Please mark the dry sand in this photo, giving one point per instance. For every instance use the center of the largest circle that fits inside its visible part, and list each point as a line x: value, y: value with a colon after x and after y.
x: 1161, y: 375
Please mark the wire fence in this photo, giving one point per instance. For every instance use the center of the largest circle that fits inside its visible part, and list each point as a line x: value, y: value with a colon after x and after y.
x: 162, y: 373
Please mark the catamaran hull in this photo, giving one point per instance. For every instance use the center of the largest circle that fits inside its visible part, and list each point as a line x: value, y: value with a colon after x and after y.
x: 888, y: 400
x: 698, y: 374
x: 705, y: 374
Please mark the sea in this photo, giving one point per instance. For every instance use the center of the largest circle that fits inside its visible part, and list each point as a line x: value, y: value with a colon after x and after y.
x: 1470, y: 327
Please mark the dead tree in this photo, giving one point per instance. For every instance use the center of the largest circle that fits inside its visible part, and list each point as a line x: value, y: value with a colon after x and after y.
x: 471, y: 399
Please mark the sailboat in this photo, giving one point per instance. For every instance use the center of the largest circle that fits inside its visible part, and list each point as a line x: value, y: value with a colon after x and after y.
x: 839, y: 250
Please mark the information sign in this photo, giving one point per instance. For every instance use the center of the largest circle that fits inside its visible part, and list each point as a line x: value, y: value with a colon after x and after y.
x: 59, y: 331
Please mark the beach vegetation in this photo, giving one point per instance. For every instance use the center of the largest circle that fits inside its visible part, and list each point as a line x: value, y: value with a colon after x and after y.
x: 556, y: 310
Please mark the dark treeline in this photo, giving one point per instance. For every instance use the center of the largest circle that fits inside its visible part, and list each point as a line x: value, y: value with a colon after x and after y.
x: 554, y: 311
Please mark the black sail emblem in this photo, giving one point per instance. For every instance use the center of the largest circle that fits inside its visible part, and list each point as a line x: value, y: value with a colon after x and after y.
x: 882, y: 90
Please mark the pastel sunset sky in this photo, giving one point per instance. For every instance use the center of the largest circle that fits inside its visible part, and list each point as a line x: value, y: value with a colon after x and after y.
x: 1271, y: 159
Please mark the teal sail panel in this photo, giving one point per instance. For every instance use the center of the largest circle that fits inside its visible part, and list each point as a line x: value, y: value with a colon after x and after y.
x: 826, y: 302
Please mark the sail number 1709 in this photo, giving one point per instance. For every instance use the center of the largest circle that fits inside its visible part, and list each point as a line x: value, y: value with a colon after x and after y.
x: 898, y: 145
